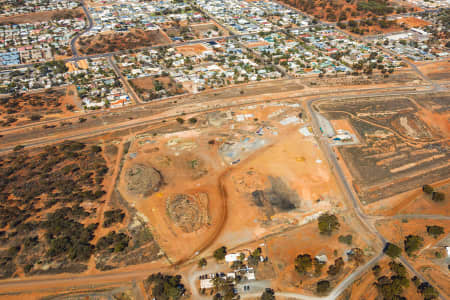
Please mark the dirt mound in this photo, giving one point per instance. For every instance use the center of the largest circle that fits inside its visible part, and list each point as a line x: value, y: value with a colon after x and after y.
x: 142, y: 179
x: 218, y: 118
x: 187, y: 211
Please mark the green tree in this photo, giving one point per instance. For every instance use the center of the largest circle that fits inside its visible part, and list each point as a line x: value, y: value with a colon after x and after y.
x: 202, y: 262
x: 254, y: 257
x: 435, y: 230
x: 18, y: 148
x: 225, y: 286
x: 268, y: 294
x: 35, y: 117
x: 428, y: 291
x: 220, y: 253
x: 237, y: 264
x: 376, y: 270
x: 323, y: 286
x: 303, y: 263
x: 318, y: 266
x: 438, y: 197
x: 428, y: 189
x: 413, y: 243
x: 336, y: 268
x: 166, y: 287
x: 346, y: 239
x: 392, y: 250
x: 391, y: 288
x: 96, y: 149
x: 398, y: 268
x: 328, y: 223
x: 416, y: 281
x: 357, y: 256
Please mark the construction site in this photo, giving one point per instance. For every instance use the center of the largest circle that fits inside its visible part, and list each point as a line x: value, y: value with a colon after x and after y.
x: 224, y: 149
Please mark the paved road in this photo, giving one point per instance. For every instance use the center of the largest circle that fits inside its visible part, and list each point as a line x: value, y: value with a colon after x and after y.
x: 88, y: 28
x: 124, y: 80
x: 325, y: 146
x: 136, y: 122
x: 77, y: 280
x: 354, y: 201
x: 337, y: 291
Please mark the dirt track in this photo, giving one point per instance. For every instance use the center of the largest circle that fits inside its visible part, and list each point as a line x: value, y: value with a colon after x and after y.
x: 138, y: 272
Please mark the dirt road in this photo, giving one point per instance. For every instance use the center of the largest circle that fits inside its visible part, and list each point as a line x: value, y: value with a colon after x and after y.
x: 140, y: 272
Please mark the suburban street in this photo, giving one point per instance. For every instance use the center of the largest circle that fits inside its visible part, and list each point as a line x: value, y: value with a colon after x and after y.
x: 180, y: 97
x: 73, y: 42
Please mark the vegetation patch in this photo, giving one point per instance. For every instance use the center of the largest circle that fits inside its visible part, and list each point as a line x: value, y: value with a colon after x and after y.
x: 32, y: 107
x: 136, y: 38
x: 43, y: 217
x: 167, y: 287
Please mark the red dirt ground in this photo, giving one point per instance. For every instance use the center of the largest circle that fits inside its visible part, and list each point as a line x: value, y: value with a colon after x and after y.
x: 396, y: 231
x: 43, y: 16
x: 188, y: 50
x: 108, y: 42
x: 413, y: 22
x: 412, y: 202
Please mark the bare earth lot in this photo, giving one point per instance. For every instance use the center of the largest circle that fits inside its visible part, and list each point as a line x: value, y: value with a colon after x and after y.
x: 109, y: 42
x: 28, y: 108
x: 243, y: 177
x: 152, y: 87
x: 403, y: 143
x: 43, y: 16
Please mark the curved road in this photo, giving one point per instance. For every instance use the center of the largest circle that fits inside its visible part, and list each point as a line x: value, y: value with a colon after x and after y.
x: 331, y: 156
x: 338, y: 290
x: 121, y: 275
x: 90, y: 25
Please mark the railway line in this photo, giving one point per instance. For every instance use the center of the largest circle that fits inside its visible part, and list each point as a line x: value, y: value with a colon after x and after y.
x: 119, y: 275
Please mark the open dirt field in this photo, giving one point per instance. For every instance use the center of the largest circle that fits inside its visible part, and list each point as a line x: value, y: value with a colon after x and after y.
x: 152, y: 87
x: 204, y: 30
x: 378, y: 29
x: 109, y: 42
x: 182, y: 172
x: 232, y: 161
x: 404, y: 76
x: 34, y: 107
x: 43, y: 16
x: 256, y: 44
x: 191, y: 50
x: 402, y: 145
x: 413, y: 22
x: 413, y: 202
x: 439, y: 71
x: 343, y: 124
x: 332, y: 11
x: 128, y: 290
x: 262, y: 196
